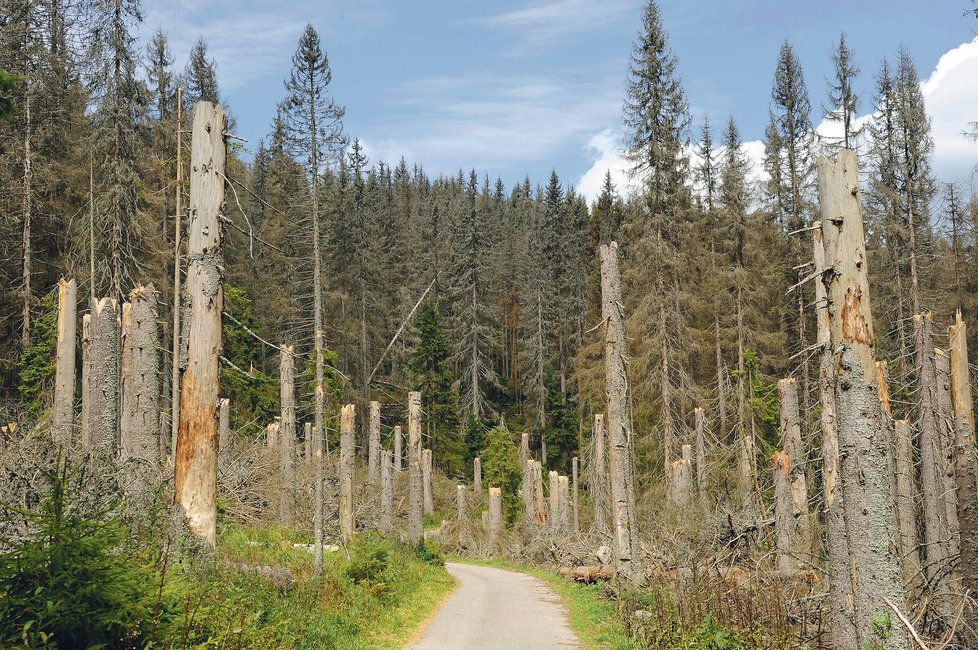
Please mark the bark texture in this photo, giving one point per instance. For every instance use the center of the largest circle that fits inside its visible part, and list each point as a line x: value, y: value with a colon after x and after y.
x: 792, y: 446
x: 574, y: 495
x: 347, y: 453
x: 373, y: 443
x: 86, y: 379
x: 784, y: 525
x: 195, y: 470
x: 477, y: 476
x: 103, y: 378
x: 495, y: 513
x: 63, y: 414
x: 905, y: 499
x: 398, y: 453
x: 224, y: 426
x: 460, y: 518
x: 415, y: 523
x: 699, y: 428
x: 429, y: 500
x: 599, y: 476
x: 287, y: 429
x: 387, y: 492
x: 139, y: 425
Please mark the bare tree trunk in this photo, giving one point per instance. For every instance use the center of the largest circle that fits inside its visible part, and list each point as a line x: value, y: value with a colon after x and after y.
x: 681, y: 479
x: 563, y: 498
x: 177, y: 293
x: 524, y: 448
x: 628, y: 559
x: 576, y: 503
x: 415, y: 523
x: 460, y: 519
x: 103, y: 378
x: 495, y: 513
x: 287, y: 431
x: 398, y: 453
x: 224, y: 426
x: 347, y: 452
x: 429, y: 500
x: 721, y: 383
x: 140, y: 434
x: 373, y: 444
x: 195, y: 471
x: 477, y: 476
x: 747, y: 470
x: 86, y: 379
x: 792, y: 446
x: 866, y: 502
x: 27, y: 202
x: 664, y: 392
x: 63, y: 414
x: 271, y: 434
x: 599, y: 476
x: 905, y: 500
x: 307, y: 440
x: 945, y: 422
x: 699, y: 427
x: 960, y: 372
x: 387, y: 492
x: 784, y: 526
x: 528, y: 500
x: 553, y: 500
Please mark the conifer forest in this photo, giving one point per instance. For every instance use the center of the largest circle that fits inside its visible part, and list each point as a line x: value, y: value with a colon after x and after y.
x: 280, y: 394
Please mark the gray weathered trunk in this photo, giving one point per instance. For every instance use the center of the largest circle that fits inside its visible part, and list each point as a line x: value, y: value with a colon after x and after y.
x: 347, y: 454
x: 905, y: 499
x: 387, y: 492
x: 86, y: 380
x: 784, y: 521
x: 477, y: 476
x: 224, y: 427
x: 63, y: 414
x: 373, y: 443
x: 103, y: 378
x: 792, y: 445
x: 574, y: 496
x: 563, y: 503
x: 398, y: 452
x: 538, y: 500
x: 460, y: 518
x: 287, y: 430
x: 415, y: 522
x: 427, y: 492
x: 139, y: 425
x: 495, y: 513
x: 599, y: 476
x: 699, y: 428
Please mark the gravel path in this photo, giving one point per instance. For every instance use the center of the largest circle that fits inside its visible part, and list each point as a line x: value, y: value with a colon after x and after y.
x: 493, y: 608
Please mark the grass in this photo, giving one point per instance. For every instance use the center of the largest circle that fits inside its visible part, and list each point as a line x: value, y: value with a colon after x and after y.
x: 592, y: 617
x: 375, y: 599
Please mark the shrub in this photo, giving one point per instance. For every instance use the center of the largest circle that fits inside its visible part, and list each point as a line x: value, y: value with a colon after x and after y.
x: 368, y: 560
x: 429, y: 552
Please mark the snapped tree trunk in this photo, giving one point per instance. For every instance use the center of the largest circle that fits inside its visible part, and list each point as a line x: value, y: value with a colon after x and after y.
x: 140, y: 432
x: 553, y: 500
x: 495, y: 514
x: 429, y: 500
x: 86, y: 379
x: 699, y: 428
x: 906, y: 499
x: 103, y: 378
x: 387, y: 492
x: 398, y: 453
x: 373, y: 444
x: 415, y: 522
x: 347, y: 453
x: 524, y: 447
x: 224, y: 427
x: 784, y: 524
x: 286, y: 430
x: 576, y: 503
x: 538, y: 500
x: 460, y: 520
x: 628, y: 559
x: 477, y: 476
x: 63, y: 414
x: 681, y: 479
x: 599, y: 476
x: 792, y: 445
x: 563, y: 503
x: 528, y: 501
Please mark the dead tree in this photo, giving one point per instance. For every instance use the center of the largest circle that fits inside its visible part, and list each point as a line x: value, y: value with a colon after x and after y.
x: 63, y: 414
x: 628, y: 558
x: 460, y: 519
x: 784, y: 526
x: 271, y: 434
x: 103, y: 378
x: 477, y: 476
x: 387, y: 492
x: 945, y: 421
x: 195, y: 470
x: 139, y: 425
x: 224, y: 426
x: 347, y: 452
x: 563, y: 503
x: 792, y: 446
x: 429, y: 500
x: 553, y: 499
x: 286, y: 430
x: 398, y: 453
x: 524, y: 448
x: 699, y: 428
x: 576, y: 502
x: 905, y: 499
x: 681, y: 478
x: 495, y: 513
x: 415, y: 522
x: 373, y: 443
x: 307, y: 440
x: 538, y: 500
x: 86, y: 380
x: 874, y: 571
x: 528, y: 473
x: 599, y: 476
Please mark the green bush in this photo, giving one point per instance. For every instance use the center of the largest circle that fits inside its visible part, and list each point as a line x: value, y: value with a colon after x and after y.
x: 501, y: 468
x: 368, y: 560
x: 429, y: 552
x: 35, y: 367
x: 73, y: 582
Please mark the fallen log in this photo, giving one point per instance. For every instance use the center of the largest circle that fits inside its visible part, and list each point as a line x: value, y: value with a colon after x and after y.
x: 588, y: 574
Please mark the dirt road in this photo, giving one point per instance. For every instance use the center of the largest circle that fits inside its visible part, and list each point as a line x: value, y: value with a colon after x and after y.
x: 492, y: 608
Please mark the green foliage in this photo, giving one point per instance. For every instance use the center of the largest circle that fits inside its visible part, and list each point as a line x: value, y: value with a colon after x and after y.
x: 254, y: 396
x: 710, y: 636
x: 501, y: 468
x: 882, y: 624
x: 37, y: 361
x: 74, y: 582
x: 8, y: 86
x: 429, y: 552
x: 762, y: 397
x: 561, y: 431
x: 368, y: 560
x: 475, y: 438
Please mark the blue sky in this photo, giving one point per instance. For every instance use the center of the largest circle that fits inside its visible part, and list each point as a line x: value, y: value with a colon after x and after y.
x: 519, y: 87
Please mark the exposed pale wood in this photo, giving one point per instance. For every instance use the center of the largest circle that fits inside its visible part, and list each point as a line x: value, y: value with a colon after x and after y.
x: 528, y: 501
x: 427, y: 493
x: 574, y: 495
x: 538, y: 500
x: 272, y: 430
x: 599, y: 475
x: 398, y: 453
x: 347, y: 452
x: 224, y: 426
x: 177, y: 291
x: 784, y: 528
x: 553, y: 499
x: 960, y: 372
x: 63, y: 413
x: 524, y: 447
x: 387, y: 492
x: 195, y: 470
x: 563, y: 505
x: 681, y: 474
x: 103, y: 378
x: 139, y: 424
x: 414, y: 468
x: 906, y: 503
x: 628, y: 559
x: 287, y: 429
x: 460, y: 519
x: 791, y: 441
x: 495, y: 513
x: 373, y: 443
x: 945, y: 421
x: 477, y: 475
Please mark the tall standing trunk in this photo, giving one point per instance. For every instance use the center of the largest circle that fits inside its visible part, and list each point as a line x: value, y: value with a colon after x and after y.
x: 86, y: 381
x: 426, y: 486
x: 224, y: 427
x: 575, y: 502
x: 103, y: 378
x: 398, y: 453
x: 785, y: 560
x: 599, y: 476
x: 460, y: 518
x: 874, y: 571
x: 347, y: 424
x: 27, y: 207
x: 476, y: 393
x: 414, y: 468
x: 746, y: 461
x: 792, y: 445
x: 63, y: 414
x: 906, y: 498
x: 628, y: 557
x: 287, y: 431
x: 386, y: 492
x: 664, y: 391
x: 177, y: 293
x: 195, y: 468
x: 721, y: 376
x: 139, y: 426
x: 699, y: 428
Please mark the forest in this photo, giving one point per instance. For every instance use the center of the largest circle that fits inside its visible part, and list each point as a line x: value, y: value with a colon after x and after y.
x: 358, y: 296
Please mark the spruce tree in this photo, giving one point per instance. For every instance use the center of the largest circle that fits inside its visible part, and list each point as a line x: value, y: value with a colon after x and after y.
x: 201, y: 75
x: 842, y: 97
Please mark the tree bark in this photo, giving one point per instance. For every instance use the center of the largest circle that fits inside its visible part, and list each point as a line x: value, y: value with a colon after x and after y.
x: 538, y: 501
x: 553, y: 500
x: 563, y: 505
x: 287, y: 430
x: 699, y: 427
x: 103, y: 378
x: 307, y: 440
x: 681, y: 478
x: 347, y: 454
x: 784, y: 526
x: 906, y: 504
x: 398, y: 453
x: 460, y: 519
x: 599, y: 476
x: 628, y: 559
x: 792, y: 445
x: 177, y: 292
x: 524, y: 447
x: 195, y: 470
x: 477, y: 476
x: 495, y: 513
x: 415, y: 522
x: 576, y: 502
x: 528, y: 501
x: 387, y: 492
x: 373, y: 454
x: 63, y: 415
x: 271, y: 434
x: 140, y: 433
x: 429, y: 500
x: 86, y: 379
x: 224, y: 427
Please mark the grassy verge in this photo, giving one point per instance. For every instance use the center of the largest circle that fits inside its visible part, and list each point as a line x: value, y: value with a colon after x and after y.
x: 592, y: 617
x: 375, y: 599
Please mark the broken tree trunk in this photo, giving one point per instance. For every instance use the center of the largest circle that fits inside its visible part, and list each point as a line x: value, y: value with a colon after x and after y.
x: 945, y: 421
x: 429, y: 500
x: 224, y: 426
x: 599, y: 476
x: 195, y: 467
x: 905, y: 500
x: 286, y: 430
x: 792, y: 445
x: 373, y: 443
x: 307, y: 440
x: 681, y: 475
x: 347, y: 452
x: 387, y: 492
x: 538, y: 501
x: 415, y: 522
x: 628, y: 559
x: 139, y: 425
x: 784, y: 526
x: 574, y: 496
x: 866, y: 501
x: 63, y: 414
x: 86, y: 380
x: 495, y: 513
x: 398, y: 453
x: 553, y: 499
x: 477, y: 476
x: 960, y: 372
x: 103, y: 378
x: 528, y: 491
x: 563, y: 503
x: 460, y: 520
x: 271, y: 434
x: 699, y: 428
x: 524, y: 447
